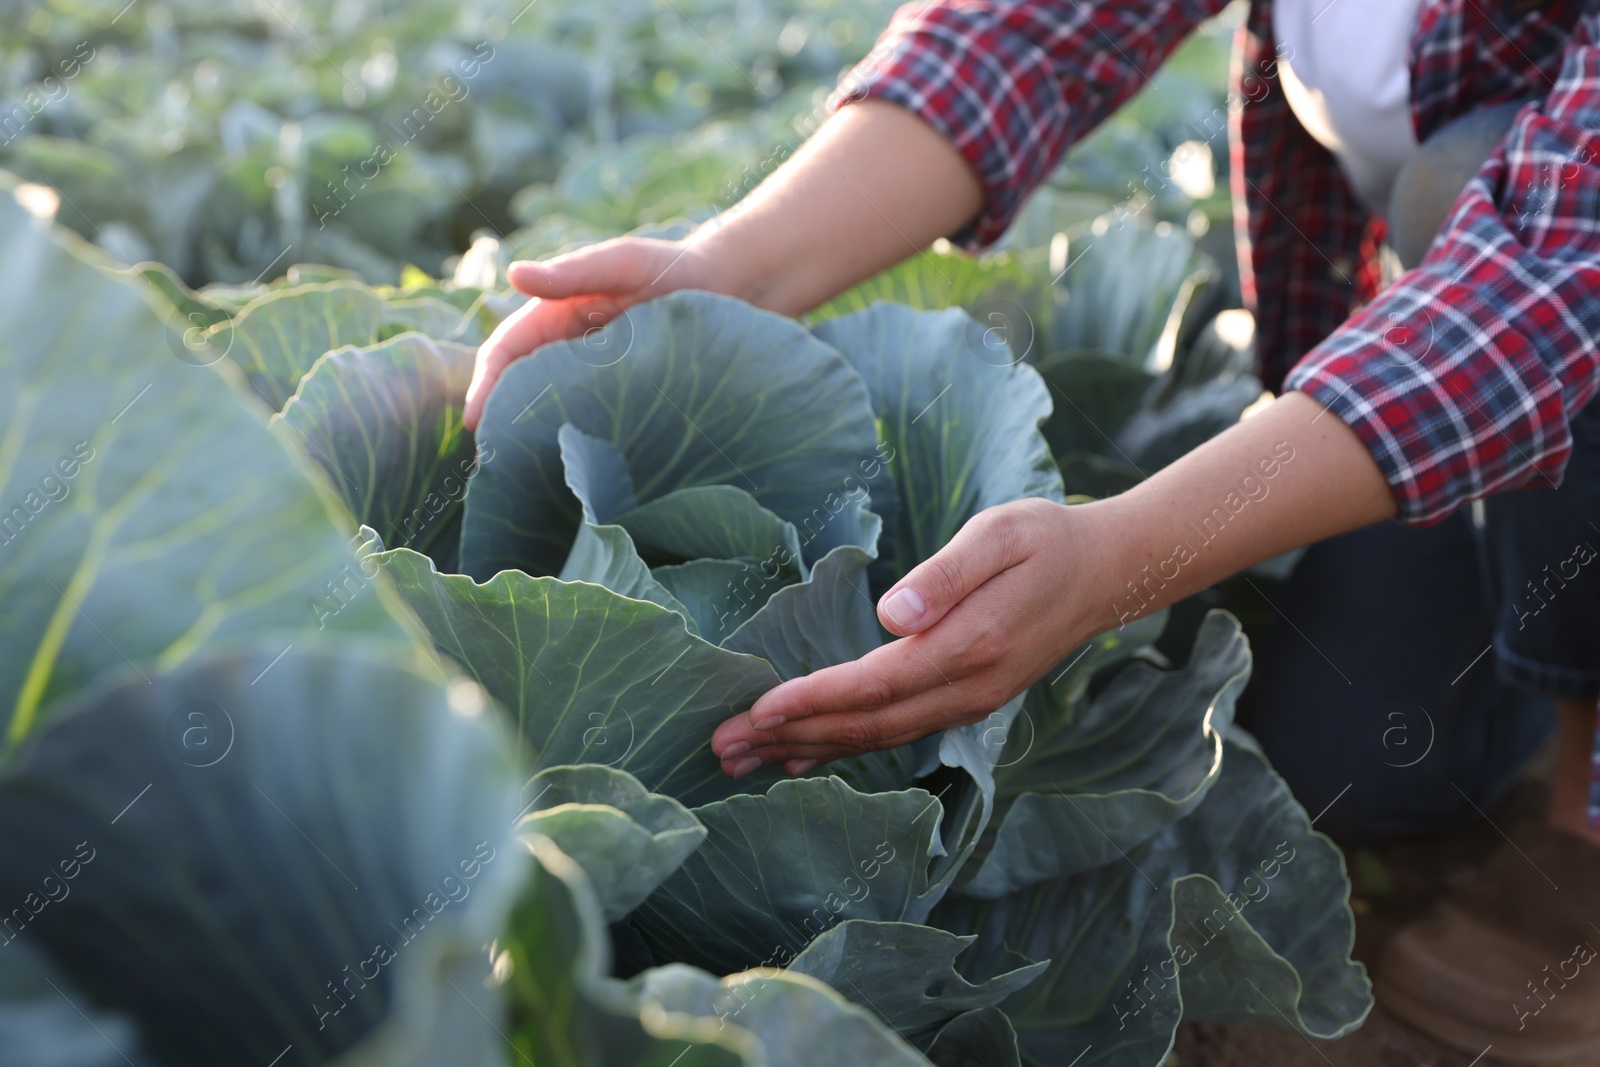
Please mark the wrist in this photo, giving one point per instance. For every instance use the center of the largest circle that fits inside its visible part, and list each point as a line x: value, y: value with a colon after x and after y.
x: 1095, y: 534
x: 734, y: 263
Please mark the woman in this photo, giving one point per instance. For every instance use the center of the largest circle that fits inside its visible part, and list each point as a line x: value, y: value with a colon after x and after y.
x: 1466, y: 379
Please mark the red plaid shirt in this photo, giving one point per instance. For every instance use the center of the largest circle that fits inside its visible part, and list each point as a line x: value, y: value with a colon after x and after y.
x: 1462, y: 375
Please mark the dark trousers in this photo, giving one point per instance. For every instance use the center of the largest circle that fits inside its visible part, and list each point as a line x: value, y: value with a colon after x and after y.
x: 1410, y: 674
x: 1367, y: 701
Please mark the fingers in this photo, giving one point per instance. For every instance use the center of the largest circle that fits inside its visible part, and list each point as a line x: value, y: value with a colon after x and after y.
x: 531, y: 325
x: 620, y: 265
x: 573, y: 294
x: 827, y: 738
x: 536, y: 323
x: 879, y: 678
x: 995, y: 620
x: 989, y: 543
x: 893, y: 695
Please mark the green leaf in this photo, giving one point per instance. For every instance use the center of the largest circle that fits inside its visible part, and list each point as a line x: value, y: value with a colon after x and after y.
x: 712, y: 522
x: 385, y: 423
x: 982, y: 1037
x: 313, y: 273
x: 695, y: 389
x: 1223, y: 348
x: 418, y: 286
x: 149, y: 516
x: 1134, y: 639
x: 194, y: 311
x: 719, y: 594
x: 1159, y: 434
x: 962, y: 419
x: 626, y: 838
x: 1093, y: 475
x: 597, y: 473
x: 800, y: 1022
x: 1094, y: 398
x: 564, y: 1008
x: 277, y: 337
x: 823, y: 621
x: 603, y: 553
x: 998, y: 290
x: 288, y: 848
x: 1124, y: 290
x: 430, y: 317
x: 904, y: 973
x: 231, y: 298
x: 778, y: 869
x: 41, y: 1026
x: 1137, y: 944
x: 1092, y: 780
x: 1049, y: 211
x: 590, y: 676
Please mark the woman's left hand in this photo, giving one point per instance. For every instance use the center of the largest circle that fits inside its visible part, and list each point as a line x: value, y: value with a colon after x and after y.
x: 1024, y: 583
x: 981, y: 621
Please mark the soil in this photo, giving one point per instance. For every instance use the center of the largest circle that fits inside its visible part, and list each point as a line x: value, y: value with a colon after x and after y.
x: 1393, y: 883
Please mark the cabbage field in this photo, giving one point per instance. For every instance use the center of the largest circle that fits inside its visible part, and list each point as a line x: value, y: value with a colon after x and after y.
x: 335, y: 733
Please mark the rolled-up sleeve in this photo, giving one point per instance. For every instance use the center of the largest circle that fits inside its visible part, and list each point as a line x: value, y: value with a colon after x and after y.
x: 1013, y: 85
x: 1462, y: 377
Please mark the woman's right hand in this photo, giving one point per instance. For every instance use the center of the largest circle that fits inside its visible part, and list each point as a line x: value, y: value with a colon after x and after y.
x: 875, y: 185
x: 581, y: 291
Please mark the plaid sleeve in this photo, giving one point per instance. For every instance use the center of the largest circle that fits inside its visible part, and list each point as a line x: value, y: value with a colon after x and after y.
x: 1462, y: 376
x: 1013, y: 83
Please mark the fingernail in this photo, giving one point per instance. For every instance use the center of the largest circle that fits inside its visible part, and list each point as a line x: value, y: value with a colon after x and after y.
x: 738, y: 748
x: 797, y: 769
x: 746, y: 765
x: 905, y: 607
x: 771, y: 722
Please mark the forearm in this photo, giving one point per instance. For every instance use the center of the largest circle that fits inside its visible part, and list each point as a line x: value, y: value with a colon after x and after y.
x: 1289, y: 476
x: 1022, y: 584
x: 875, y: 185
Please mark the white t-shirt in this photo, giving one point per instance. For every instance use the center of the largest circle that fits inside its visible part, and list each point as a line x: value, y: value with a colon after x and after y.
x: 1345, y: 72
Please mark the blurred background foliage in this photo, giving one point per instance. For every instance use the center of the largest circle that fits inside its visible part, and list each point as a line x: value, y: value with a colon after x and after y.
x: 232, y: 139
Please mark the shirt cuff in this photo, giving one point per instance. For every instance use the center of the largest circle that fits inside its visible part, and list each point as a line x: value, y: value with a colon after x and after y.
x: 1453, y: 406
x: 991, y: 92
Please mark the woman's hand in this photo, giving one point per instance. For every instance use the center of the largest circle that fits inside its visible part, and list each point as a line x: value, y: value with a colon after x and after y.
x: 1024, y: 583
x: 982, y: 620
x: 582, y: 291
x: 875, y: 185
